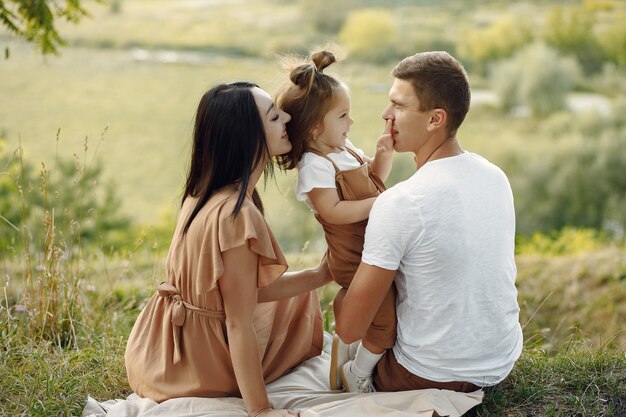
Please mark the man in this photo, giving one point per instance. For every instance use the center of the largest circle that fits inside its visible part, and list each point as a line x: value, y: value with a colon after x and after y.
x: 446, y: 237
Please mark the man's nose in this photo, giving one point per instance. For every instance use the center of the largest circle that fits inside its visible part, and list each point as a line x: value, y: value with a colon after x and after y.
x: 388, y: 113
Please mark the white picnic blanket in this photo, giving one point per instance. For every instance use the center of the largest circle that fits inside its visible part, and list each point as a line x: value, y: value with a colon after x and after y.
x: 307, y: 389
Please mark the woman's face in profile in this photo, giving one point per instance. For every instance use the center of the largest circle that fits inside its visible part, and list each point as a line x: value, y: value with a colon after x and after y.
x: 274, y: 122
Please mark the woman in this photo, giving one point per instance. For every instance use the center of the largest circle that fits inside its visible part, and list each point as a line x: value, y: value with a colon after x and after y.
x: 203, y: 334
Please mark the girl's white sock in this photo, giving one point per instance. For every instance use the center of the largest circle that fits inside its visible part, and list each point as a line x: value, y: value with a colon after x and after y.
x: 364, y: 362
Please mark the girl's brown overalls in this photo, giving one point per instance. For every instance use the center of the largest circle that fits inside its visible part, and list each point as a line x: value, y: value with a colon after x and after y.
x: 345, y: 245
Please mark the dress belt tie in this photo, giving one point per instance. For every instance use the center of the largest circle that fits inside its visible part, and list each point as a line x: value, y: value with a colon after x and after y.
x: 167, y: 290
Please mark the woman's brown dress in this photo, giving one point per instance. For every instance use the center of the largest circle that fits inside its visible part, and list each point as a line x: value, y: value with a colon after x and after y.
x: 179, y: 345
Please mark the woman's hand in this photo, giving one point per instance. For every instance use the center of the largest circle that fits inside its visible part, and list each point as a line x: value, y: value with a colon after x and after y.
x: 269, y: 412
x: 291, y: 284
x: 323, y: 271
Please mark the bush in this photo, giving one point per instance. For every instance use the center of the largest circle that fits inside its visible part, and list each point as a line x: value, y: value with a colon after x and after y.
x: 326, y: 15
x: 570, y: 31
x: 613, y: 43
x: 413, y: 43
x: 536, y: 77
x: 576, y: 180
x: 370, y: 34
x: 84, y: 211
x: 569, y: 240
x: 499, y: 40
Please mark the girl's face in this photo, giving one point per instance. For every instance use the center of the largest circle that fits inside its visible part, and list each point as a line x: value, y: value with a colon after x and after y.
x: 274, y: 122
x: 337, y: 122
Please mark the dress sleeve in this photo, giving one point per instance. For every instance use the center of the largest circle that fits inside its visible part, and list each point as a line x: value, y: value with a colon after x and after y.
x: 247, y: 228
x: 314, y: 172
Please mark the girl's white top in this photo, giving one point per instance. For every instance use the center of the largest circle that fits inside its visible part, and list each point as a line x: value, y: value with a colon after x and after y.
x: 315, y: 171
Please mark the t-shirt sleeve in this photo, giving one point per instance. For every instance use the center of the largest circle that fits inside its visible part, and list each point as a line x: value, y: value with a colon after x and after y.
x: 314, y: 172
x: 247, y: 228
x: 394, y: 225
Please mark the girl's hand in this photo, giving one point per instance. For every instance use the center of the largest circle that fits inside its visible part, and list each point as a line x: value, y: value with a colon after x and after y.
x: 385, y: 142
x: 269, y: 412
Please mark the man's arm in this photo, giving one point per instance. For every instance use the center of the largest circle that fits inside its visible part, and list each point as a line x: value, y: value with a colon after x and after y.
x: 362, y: 301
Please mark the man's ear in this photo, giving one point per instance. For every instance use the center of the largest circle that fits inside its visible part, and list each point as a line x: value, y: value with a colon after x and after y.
x: 438, y: 119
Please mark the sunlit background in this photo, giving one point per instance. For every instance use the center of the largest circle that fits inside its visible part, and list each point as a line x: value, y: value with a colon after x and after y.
x: 94, y: 141
x: 548, y: 81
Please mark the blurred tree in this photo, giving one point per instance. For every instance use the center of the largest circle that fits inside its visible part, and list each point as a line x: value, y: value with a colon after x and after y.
x: 576, y: 180
x: 81, y: 201
x: 370, y: 34
x: 34, y: 20
x: 11, y: 209
x: 81, y: 207
x: 570, y: 31
x: 413, y: 42
x: 499, y: 40
x: 326, y: 15
x: 536, y: 77
x: 613, y: 42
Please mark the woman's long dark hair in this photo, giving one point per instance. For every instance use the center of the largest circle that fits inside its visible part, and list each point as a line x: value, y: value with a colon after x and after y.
x: 228, y: 144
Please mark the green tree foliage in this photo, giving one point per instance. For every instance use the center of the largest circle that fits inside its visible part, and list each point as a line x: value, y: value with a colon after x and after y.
x: 11, y: 188
x: 578, y: 179
x: 571, y: 31
x: 613, y: 43
x: 370, y: 34
x: 536, y: 77
x: 326, y: 15
x: 70, y: 197
x: 499, y: 40
x: 34, y: 20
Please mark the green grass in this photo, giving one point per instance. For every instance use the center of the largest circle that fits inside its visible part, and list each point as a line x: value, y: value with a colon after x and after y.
x: 577, y: 382
x: 44, y: 380
x: 565, y: 373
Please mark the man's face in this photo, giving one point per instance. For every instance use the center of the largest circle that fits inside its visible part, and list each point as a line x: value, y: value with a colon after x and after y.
x: 409, y: 124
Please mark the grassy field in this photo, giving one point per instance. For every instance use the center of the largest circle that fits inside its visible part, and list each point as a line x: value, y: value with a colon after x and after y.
x: 147, y: 107
x: 116, y: 76
x: 573, y: 362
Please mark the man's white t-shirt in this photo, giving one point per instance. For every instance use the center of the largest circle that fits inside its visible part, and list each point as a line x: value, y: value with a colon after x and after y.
x: 449, y: 230
x: 315, y: 171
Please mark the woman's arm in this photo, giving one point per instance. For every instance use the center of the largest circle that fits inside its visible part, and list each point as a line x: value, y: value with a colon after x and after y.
x: 295, y: 283
x: 335, y: 211
x: 383, y: 160
x: 238, y: 287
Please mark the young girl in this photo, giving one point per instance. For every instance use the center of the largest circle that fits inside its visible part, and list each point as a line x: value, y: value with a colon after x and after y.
x: 339, y: 184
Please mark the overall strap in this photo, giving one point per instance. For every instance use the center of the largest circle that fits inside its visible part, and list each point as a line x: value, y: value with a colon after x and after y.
x: 350, y: 151
x: 323, y: 155
x: 356, y: 155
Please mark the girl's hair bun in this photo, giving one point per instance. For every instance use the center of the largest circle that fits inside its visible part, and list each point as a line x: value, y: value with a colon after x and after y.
x: 322, y: 59
x: 302, y: 75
